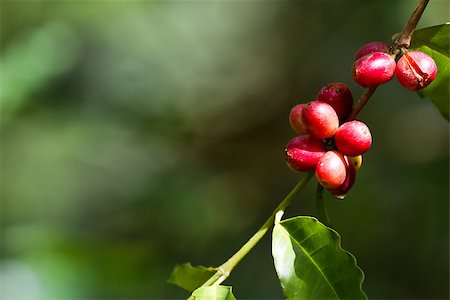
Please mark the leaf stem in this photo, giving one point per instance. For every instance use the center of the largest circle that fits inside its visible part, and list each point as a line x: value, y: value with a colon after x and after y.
x: 225, y: 269
x: 321, y: 206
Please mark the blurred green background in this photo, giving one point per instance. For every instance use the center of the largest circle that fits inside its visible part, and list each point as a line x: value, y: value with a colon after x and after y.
x: 138, y: 135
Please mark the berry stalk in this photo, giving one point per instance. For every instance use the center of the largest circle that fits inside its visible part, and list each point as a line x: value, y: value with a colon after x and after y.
x: 321, y: 207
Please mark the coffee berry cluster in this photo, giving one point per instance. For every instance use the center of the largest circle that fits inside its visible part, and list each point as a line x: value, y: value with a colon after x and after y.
x: 331, y: 145
x: 374, y: 65
x: 326, y: 143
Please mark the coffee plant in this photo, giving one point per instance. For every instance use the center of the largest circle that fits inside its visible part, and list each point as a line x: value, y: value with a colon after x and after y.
x: 330, y: 142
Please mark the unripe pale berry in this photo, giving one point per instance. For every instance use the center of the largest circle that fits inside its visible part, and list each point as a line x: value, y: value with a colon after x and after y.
x: 373, y: 69
x: 303, y: 152
x: 320, y: 119
x: 415, y: 70
x: 353, y: 138
x: 356, y: 161
x: 350, y: 178
x: 339, y: 96
x: 295, y: 119
x: 331, y: 170
x: 371, y: 48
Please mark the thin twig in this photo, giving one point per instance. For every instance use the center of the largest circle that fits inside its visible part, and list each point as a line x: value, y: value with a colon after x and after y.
x: 362, y: 102
x: 225, y: 269
x: 403, y: 40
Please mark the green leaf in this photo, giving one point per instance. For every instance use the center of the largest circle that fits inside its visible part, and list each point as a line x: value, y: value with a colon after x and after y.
x: 435, y: 42
x: 311, y: 264
x: 188, y: 277
x: 215, y: 292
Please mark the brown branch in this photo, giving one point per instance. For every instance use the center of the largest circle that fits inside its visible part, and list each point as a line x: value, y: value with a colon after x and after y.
x: 403, y: 40
x: 361, y: 102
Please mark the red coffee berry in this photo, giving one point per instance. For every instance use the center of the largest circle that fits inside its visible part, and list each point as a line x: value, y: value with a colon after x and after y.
x: 303, y: 152
x: 415, y: 70
x: 350, y: 178
x: 331, y: 170
x: 373, y: 69
x: 339, y: 96
x: 295, y: 118
x: 353, y: 138
x: 371, y: 48
x: 320, y: 119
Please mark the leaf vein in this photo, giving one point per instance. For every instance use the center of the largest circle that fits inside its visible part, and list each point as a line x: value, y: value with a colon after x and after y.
x: 313, y: 262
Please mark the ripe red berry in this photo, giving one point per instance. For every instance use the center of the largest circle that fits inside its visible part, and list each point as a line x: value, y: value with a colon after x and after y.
x: 320, y: 119
x: 350, y: 178
x: 353, y: 138
x: 415, y: 70
x: 295, y: 119
x: 339, y: 96
x: 303, y: 152
x: 371, y: 48
x: 331, y: 170
x: 373, y: 69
